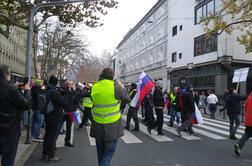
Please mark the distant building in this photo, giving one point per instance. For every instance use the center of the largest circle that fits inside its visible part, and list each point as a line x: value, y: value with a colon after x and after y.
x: 144, y: 48
x: 170, y: 44
x: 13, y: 49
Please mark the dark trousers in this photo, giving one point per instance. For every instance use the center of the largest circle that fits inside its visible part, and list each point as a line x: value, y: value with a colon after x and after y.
x: 234, y: 123
x: 8, y: 149
x: 68, y: 128
x: 122, y: 107
x: 87, y: 115
x: 159, y: 122
x: 245, y: 137
x: 149, y: 114
x: 212, y: 110
x: 105, y: 151
x: 132, y: 113
x: 187, y: 123
x: 50, y: 138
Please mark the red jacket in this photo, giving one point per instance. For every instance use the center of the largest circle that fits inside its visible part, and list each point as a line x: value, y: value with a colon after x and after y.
x: 248, y: 111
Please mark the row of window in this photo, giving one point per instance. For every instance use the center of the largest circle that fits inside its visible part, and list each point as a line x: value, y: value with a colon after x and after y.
x: 202, y: 45
x: 206, y: 8
x: 205, y: 44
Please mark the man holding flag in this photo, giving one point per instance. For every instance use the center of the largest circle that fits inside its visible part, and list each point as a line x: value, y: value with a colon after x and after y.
x: 158, y: 102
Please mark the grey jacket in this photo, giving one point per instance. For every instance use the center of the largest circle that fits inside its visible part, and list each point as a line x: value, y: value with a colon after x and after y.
x: 112, y: 131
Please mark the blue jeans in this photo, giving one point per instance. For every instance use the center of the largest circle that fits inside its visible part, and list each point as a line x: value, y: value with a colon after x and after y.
x: 36, y: 124
x: 8, y: 149
x: 105, y: 151
x: 25, y: 117
x: 174, y: 114
x: 234, y: 123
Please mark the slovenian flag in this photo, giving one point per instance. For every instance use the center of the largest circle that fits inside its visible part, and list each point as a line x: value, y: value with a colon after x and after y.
x: 144, y: 86
x: 74, y: 117
x: 197, y: 117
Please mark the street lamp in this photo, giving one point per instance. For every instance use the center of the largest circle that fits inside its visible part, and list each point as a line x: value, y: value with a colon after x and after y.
x: 28, y: 63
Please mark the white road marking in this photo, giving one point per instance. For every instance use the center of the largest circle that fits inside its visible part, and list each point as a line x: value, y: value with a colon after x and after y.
x: 91, y: 139
x: 222, y: 126
x: 129, y: 138
x: 221, y: 122
x: 154, y: 133
x: 60, y: 141
x: 173, y: 130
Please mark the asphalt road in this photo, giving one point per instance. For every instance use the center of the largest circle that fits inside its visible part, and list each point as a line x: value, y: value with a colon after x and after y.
x: 210, y: 148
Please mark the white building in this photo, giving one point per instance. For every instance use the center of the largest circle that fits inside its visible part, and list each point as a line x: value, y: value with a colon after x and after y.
x: 206, y: 63
x: 144, y: 48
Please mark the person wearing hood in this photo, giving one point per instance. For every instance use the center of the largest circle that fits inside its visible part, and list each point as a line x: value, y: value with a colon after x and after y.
x: 53, y: 120
x: 106, y: 127
x: 188, y: 108
x: 158, y: 102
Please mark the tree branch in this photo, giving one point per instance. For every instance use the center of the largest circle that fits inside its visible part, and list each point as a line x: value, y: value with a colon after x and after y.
x: 234, y: 23
x: 10, y: 22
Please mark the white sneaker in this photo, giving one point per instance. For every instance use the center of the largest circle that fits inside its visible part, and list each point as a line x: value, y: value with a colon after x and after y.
x: 37, y: 140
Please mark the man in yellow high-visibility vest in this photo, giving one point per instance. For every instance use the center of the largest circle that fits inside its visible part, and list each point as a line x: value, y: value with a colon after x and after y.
x: 87, y: 103
x: 106, y: 127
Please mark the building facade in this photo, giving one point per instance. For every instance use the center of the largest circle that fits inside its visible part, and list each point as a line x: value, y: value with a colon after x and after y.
x: 144, y: 48
x: 12, y: 50
x: 170, y: 44
x: 206, y: 62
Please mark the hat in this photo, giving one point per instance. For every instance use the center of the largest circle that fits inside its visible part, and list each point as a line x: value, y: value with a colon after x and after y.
x: 189, y: 86
x: 53, y: 80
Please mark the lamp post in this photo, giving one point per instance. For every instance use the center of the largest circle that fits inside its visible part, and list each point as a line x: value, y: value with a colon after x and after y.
x: 28, y: 62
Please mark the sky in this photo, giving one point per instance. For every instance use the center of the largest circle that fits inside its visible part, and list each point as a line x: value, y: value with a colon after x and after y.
x: 116, y: 24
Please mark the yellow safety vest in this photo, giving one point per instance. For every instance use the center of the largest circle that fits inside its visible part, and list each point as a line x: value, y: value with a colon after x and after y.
x: 106, y: 108
x: 87, y: 102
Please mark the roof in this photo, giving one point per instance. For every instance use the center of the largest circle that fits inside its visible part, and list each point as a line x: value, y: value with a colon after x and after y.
x: 147, y: 15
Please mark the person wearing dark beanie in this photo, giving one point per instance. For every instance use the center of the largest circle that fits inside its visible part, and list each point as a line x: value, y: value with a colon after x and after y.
x: 53, y: 120
x: 53, y: 80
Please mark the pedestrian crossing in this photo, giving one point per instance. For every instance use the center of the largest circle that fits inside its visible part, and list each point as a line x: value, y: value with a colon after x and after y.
x: 211, y: 129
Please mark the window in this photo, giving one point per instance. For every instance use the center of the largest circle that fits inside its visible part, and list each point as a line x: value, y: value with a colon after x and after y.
x: 181, y: 27
x: 174, y: 57
x: 206, y: 8
x: 210, y: 8
x: 218, y: 5
x: 174, y: 30
x: 203, y: 44
x: 180, y: 55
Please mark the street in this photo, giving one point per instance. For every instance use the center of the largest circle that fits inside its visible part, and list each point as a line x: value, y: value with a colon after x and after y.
x: 210, y: 146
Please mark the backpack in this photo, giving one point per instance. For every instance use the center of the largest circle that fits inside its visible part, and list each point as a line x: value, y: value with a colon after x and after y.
x: 44, y: 104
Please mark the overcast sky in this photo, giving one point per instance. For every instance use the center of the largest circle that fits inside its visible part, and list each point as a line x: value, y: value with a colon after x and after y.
x: 116, y: 24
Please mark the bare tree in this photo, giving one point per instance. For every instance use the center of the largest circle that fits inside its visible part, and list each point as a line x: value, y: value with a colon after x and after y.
x: 59, y: 50
x: 91, y: 68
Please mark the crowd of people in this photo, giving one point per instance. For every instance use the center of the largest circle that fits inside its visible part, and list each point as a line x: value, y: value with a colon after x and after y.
x: 102, y: 104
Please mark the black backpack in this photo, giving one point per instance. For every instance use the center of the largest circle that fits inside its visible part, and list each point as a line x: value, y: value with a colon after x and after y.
x: 44, y: 104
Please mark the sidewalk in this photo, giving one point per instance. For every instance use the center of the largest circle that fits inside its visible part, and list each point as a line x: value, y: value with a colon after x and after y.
x: 24, y: 150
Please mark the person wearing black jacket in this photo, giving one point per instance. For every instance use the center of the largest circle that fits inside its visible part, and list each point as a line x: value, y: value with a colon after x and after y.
x: 36, y: 90
x: 132, y: 112
x: 71, y: 97
x: 158, y: 102
x: 188, y: 108
x: 233, y: 106
x: 148, y: 105
x: 12, y: 102
x: 53, y: 120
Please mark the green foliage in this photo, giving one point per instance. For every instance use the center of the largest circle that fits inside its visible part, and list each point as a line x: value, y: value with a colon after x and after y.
x: 16, y: 12
x: 234, y: 15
